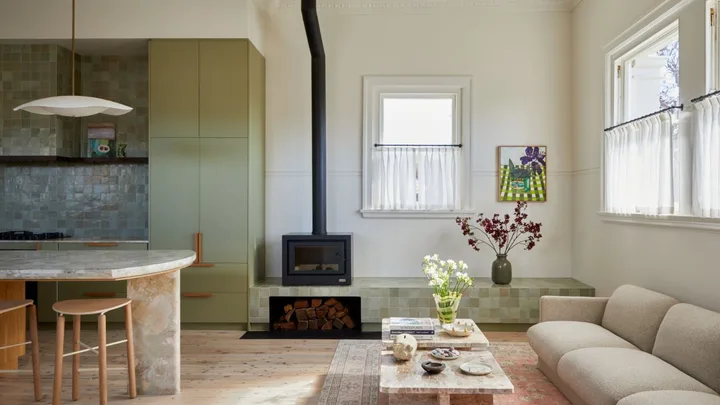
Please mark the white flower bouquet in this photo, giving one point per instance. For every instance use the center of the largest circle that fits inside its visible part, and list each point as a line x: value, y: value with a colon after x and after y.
x: 449, y: 280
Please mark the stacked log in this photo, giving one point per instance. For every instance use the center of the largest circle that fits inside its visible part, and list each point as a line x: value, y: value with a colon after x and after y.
x: 314, y: 314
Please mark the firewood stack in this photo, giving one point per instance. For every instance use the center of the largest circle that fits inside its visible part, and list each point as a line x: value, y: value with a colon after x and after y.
x: 315, y: 315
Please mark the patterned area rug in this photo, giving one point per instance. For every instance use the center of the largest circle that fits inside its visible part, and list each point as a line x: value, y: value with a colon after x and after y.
x: 353, y: 376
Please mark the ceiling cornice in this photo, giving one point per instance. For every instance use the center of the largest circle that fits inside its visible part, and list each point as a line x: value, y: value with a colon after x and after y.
x: 413, y: 6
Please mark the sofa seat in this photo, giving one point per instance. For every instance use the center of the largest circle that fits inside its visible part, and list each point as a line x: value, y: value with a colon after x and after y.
x: 604, y: 376
x: 552, y: 340
x: 670, y: 398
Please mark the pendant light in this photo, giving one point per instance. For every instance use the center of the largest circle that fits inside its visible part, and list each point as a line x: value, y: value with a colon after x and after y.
x: 73, y: 106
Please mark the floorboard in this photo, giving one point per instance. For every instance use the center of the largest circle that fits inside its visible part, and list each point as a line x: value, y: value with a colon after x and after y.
x: 217, y: 369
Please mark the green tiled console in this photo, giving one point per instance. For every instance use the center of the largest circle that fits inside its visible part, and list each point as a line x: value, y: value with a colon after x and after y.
x: 518, y: 303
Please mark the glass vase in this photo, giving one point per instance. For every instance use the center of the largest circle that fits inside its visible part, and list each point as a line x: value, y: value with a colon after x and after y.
x: 447, y: 308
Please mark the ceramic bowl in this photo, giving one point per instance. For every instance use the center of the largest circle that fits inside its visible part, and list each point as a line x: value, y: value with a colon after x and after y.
x: 433, y: 367
x: 459, y: 329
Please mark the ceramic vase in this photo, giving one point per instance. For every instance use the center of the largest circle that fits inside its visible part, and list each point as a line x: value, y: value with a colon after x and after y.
x: 501, y: 270
x: 447, y: 308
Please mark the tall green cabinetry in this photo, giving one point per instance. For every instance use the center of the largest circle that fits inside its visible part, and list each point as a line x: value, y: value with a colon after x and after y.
x: 207, y: 169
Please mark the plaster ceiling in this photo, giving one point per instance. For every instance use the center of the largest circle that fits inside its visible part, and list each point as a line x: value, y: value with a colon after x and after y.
x: 428, y: 5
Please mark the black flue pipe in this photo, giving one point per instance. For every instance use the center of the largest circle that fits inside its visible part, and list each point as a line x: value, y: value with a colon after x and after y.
x: 319, y: 161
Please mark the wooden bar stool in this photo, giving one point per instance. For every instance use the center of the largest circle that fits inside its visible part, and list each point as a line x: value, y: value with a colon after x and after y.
x: 7, y: 306
x: 99, y: 307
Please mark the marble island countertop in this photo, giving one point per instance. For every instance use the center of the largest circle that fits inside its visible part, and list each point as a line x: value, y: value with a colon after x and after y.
x: 80, y: 240
x: 90, y: 265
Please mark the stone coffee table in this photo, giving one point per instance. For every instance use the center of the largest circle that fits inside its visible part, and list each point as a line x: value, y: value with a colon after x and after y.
x: 476, y: 341
x: 408, y: 384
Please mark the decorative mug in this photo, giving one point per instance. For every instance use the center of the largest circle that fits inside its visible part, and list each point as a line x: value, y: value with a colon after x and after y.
x: 121, y: 150
x: 404, y: 347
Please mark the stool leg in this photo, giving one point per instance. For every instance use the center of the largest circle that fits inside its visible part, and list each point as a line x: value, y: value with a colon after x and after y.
x: 102, y: 346
x: 132, y: 389
x: 76, y: 358
x: 35, y: 352
x: 57, y: 383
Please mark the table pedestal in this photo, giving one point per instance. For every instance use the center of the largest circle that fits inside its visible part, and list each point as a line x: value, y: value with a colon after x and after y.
x: 156, y: 329
x: 440, y: 399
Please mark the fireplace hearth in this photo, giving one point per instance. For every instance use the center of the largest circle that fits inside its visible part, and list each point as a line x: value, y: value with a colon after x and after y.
x: 320, y: 315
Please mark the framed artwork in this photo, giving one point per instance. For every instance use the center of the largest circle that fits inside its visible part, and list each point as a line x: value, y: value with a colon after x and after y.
x: 522, y: 173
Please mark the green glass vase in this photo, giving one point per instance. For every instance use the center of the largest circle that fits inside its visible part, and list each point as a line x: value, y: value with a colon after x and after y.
x: 502, y: 270
x: 447, y: 308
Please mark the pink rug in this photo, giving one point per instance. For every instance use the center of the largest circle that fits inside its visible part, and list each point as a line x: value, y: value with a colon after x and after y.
x: 353, y: 376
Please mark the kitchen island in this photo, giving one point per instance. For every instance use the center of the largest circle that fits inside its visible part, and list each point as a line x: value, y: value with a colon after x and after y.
x: 153, y: 284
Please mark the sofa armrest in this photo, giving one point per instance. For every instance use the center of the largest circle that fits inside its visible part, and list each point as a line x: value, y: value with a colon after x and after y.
x: 580, y: 309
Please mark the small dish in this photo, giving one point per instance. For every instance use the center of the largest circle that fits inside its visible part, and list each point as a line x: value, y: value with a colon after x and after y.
x: 433, y: 367
x: 445, y: 354
x: 476, y: 368
x: 459, y: 329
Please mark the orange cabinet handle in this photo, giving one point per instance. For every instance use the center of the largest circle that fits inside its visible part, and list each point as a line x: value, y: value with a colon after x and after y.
x: 100, y: 294
x: 102, y: 244
x: 199, y: 252
x: 198, y: 295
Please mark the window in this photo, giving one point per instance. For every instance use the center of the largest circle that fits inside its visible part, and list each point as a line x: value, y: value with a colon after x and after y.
x: 642, y: 157
x: 417, y: 145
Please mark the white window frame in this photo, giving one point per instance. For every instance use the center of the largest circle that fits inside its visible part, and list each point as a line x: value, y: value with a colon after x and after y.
x: 654, y: 23
x: 375, y: 89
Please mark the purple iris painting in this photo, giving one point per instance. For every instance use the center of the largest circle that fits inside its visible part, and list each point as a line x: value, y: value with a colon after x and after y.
x: 522, y: 173
x: 535, y: 158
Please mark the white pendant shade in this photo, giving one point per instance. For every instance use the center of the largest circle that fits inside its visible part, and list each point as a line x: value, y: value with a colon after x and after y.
x: 74, y: 106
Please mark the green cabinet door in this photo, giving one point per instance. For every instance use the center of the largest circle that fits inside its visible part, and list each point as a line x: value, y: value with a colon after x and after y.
x: 223, y: 88
x: 173, y: 88
x: 223, y: 199
x: 174, y: 192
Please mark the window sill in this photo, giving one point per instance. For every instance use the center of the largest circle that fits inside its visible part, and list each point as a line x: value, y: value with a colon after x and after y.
x: 417, y: 214
x: 672, y: 221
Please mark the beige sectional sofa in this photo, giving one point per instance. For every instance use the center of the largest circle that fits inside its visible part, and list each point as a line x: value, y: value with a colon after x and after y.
x: 637, y: 347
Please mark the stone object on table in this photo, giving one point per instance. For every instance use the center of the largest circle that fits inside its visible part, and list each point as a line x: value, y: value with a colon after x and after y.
x: 433, y: 367
x: 404, y: 347
x: 476, y: 341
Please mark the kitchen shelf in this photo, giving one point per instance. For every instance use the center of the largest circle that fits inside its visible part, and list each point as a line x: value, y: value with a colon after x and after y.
x: 80, y: 160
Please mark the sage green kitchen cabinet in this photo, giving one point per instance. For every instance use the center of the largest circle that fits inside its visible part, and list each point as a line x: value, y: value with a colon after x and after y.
x: 224, y: 199
x: 174, y: 202
x: 211, y: 181
x: 173, y: 88
x: 223, y: 88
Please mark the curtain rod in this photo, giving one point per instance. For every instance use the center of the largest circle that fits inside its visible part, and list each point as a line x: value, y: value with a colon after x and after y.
x: 676, y: 107
x: 705, y: 97
x: 378, y: 145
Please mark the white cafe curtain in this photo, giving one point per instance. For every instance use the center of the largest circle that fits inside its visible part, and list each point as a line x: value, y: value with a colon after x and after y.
x: 638, y: 167
x: 415, y: 178
x: 706, y: 158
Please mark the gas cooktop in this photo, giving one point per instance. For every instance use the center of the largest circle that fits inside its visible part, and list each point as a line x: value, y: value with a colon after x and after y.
x: 27, y: 235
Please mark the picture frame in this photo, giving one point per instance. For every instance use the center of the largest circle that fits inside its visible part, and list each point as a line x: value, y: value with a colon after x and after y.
x: 101, y: 140
x: 522, y: 173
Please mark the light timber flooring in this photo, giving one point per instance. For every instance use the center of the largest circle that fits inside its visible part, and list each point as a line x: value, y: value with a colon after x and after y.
x: 217, y: 369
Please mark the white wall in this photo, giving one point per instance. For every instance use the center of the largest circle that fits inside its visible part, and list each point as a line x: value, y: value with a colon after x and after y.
x: 520, y: 64
x: 679, y: 262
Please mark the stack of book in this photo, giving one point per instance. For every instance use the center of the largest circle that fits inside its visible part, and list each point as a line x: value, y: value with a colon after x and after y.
x: 419, y: 328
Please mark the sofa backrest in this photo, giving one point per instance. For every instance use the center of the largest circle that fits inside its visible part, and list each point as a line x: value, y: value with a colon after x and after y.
x: 635, y: 314
x: 689, y: 339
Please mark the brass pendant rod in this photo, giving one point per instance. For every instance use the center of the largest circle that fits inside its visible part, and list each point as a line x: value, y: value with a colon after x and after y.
x: 73, y: 48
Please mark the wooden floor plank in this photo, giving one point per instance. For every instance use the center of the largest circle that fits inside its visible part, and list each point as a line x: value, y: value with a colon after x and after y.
x: 217, y: 369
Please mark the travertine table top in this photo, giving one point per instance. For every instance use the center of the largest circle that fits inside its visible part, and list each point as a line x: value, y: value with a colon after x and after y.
x: 409, y: 377
x: 476, y: 341
x: 90, y: 264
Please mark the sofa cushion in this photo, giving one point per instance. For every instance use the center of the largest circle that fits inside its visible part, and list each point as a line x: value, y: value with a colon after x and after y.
x: 551, y: 340
x: 689, y: 339
x: 635, y: 314
x: 604, y: 376
x: 670, y: 398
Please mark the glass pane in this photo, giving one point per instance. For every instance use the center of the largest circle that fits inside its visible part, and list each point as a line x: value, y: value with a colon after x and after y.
x: 654, y: 80
x: 417, y: 121
x: 317, y: 258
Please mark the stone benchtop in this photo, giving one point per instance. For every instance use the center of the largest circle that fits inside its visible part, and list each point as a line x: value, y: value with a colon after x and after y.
x: 88, y: 265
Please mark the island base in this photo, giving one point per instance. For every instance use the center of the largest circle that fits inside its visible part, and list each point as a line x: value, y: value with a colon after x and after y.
x: 156, y: 329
